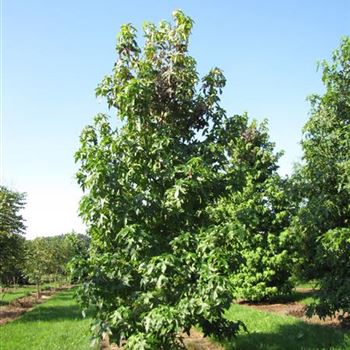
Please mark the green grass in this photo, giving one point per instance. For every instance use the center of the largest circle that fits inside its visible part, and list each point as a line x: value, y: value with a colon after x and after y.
x: 269, y: 331
x: 58, y: 325
x: 54, y: 325
x: 19, y: 292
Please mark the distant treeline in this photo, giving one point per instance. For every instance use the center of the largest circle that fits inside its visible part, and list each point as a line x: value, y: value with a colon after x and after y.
x: 43, y: 259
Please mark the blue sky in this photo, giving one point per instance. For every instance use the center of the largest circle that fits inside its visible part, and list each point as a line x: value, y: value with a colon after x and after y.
x: 54, y: 53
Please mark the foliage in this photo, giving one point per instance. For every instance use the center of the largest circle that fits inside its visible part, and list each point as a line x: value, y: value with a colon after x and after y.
x: 12, y: 229
x: 38, y: 261
x: 158, y: 263
x: 333, y: 299
x: 258, y: 203
x: 63, y: 249
x: 323, y: 218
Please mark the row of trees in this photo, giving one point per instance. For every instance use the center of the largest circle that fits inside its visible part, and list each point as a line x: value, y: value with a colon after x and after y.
x: 184, y: 204
x: 47, y: 259
x: 43, y: 259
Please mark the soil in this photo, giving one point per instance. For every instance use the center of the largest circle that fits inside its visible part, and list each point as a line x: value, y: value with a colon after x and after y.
x: 195, y: 341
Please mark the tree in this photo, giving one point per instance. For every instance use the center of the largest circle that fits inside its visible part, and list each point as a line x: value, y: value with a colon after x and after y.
x: 63, y: 251
x: 38, y: 262
x: 324, y: 214
x: 259, y: 203
x: 48, y: 259
x: 158, y: 264
x: 12, y: 228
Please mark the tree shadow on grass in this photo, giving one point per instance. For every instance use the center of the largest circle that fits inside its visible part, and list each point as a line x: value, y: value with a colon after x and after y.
x: 295, y: 296
x: 64, y: 296
x: 47, y: 312
x: 53, y: 313
x: 300, y: 336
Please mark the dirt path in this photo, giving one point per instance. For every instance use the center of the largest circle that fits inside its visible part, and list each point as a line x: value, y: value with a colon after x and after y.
x: 195, y: 341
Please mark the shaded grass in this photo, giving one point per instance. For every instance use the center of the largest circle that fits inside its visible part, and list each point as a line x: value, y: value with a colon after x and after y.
x: 305, y: 298
x: 298, y: 295
x: 273, y: 332
x: 54, y: 325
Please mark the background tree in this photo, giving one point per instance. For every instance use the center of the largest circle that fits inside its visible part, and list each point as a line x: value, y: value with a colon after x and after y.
x: 48, y: 259
x: 12, y: 228
x: 60, y: 252
x: 63, y: 250
x: 258, y: 202
x: 38, y: 262
x: 158, y: 264
x: 323, y: 218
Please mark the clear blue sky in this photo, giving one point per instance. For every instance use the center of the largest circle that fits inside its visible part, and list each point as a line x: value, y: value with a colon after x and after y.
x: 55, y: 53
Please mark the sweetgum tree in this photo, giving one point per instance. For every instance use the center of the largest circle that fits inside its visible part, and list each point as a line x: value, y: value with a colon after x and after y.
x: 323, y: 220
x: 157, y: 263
x: 164, y: 246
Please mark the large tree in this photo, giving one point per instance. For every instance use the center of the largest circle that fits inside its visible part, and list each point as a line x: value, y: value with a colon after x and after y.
x: 323, y: 221
x: 156, y: 266
x: 161, y: 260
x: 12, y: 228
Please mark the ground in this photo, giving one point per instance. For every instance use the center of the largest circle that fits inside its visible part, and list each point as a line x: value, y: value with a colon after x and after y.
x: 57, y: 324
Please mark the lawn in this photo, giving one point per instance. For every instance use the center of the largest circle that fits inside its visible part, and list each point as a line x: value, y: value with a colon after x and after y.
x: 54, y: 325
x: 269, y: 331
x: 19, y: 292
x: 58, y: 325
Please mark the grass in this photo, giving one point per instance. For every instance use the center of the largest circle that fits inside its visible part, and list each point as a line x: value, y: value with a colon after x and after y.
x: 269, y: 331
x: 305, y: 298
x: 298, y: 295
x: 54, y: 325
x: 58, y: 325
x: 19, y: 292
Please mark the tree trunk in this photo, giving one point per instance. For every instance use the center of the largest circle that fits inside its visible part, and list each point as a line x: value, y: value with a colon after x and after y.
x: 38, y: 294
